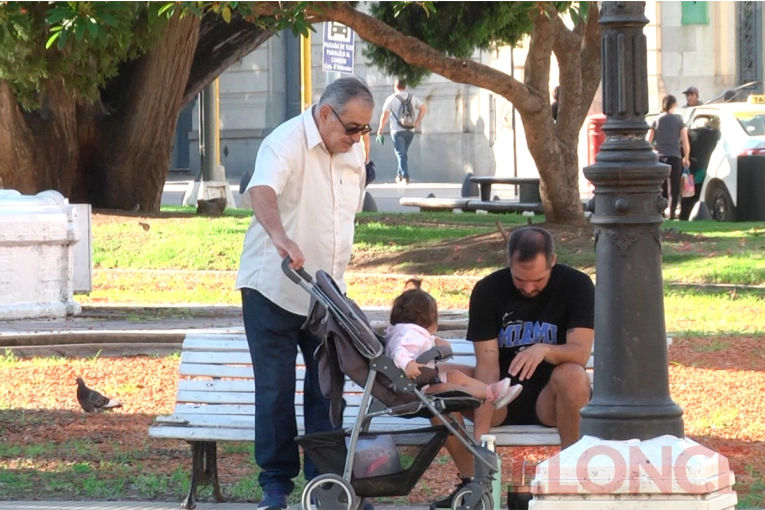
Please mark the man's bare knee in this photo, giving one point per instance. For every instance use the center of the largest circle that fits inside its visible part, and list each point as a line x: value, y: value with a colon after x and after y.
x: 570, y: 382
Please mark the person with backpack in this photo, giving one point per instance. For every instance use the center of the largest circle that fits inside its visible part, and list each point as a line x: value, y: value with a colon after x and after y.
x: 405, y: 111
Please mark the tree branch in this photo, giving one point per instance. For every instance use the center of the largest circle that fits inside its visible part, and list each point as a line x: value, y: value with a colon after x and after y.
x: 579, y: 62
x: 590, y: 53
x: 220, y: 45
x: 416, y: 52
x: 570, y: 99
x: 537, y: 66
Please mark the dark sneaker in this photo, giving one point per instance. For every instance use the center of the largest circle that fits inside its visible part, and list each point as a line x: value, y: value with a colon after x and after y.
x: 368, y: 506
x: 274, y: 499
x: 447, y: 501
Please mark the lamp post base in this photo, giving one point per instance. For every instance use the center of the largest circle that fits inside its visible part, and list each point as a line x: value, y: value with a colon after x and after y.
x: 625, y: 422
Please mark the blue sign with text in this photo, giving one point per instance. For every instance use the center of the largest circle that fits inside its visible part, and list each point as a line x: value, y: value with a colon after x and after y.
x: 338, y: 48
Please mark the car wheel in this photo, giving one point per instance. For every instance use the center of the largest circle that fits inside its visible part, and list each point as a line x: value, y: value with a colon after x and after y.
x: 720, y: 203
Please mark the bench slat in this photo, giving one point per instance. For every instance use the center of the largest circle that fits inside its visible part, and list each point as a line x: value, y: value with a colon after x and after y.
x: 210, y: 397
x: 201, y: 434
x: 248, y: 386
x: 202, y: 370
x: 462, y: 353
x: 219, y: 358
x: 223, y: 409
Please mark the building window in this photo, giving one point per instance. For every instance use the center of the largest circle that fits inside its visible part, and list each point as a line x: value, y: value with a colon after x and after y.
x: 695, y: 13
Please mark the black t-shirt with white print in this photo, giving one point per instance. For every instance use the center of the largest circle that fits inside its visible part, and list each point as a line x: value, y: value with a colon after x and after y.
x: 498, y: 310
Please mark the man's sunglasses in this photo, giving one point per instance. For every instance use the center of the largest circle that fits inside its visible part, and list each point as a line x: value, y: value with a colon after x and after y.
x: 352, y: 130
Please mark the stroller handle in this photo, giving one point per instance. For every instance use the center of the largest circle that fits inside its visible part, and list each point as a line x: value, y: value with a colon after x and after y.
x: 294, y: 275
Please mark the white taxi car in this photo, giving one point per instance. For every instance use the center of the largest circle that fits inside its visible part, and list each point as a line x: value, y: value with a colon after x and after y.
x: 735, y: 168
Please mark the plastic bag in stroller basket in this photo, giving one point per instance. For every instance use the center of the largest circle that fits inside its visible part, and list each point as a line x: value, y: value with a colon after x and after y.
x: 375, y: 456
x: 382, y: 466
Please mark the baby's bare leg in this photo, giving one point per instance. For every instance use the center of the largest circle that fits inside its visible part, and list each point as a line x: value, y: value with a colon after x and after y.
x: 459, y: 381
x: 449, y: 367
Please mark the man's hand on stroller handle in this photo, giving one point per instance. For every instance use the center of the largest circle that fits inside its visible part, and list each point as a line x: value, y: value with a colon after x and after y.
x: 286, y: 247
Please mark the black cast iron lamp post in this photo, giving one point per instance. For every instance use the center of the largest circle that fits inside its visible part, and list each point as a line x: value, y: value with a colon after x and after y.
x: 631, y: 387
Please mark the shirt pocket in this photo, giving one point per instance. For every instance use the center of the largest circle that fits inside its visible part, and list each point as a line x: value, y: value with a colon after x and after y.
x: 350, y: 192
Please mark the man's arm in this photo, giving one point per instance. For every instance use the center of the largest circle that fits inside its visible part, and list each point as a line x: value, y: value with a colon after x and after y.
x: 577, y: 349
x: 383, y: 121
x: 487, y: 371
x: 267, y: 212
x: 423, y: 109
x: 367, y: 148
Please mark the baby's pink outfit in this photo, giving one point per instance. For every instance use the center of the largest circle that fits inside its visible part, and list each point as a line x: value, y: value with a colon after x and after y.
x: 404, y: 342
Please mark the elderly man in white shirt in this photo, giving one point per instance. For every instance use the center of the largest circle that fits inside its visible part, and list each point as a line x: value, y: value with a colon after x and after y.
x: 306, y: 188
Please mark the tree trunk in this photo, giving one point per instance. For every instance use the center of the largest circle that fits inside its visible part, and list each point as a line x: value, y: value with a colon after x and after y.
x: 136, y: 142
x: 115, y: 153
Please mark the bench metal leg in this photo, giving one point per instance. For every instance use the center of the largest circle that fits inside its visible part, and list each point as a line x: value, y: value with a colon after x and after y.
x: 204, y: 471
x: 485, y: 191
x: 211, y: 470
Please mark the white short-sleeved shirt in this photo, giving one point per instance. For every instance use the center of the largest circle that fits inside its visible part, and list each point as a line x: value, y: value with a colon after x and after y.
x: 318, y: 196
x: 393, y: 105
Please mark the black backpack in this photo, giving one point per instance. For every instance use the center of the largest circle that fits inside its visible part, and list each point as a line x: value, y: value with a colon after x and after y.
x: 405, y: 117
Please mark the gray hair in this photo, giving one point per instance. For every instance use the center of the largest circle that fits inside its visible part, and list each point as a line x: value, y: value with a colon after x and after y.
x: 341, y: 91
x: 526, y: 243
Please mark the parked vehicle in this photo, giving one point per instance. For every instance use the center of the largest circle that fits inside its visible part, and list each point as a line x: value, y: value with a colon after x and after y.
x: 735, y: 179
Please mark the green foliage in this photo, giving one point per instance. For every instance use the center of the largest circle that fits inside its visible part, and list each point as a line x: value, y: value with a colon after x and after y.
x: 84, y: 44
x: 456, y: 29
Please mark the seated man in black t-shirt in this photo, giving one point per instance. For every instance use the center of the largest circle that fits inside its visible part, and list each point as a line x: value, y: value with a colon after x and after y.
x: 534, y: 321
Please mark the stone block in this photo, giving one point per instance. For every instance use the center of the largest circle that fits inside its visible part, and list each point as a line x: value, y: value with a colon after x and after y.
x: 666, y: 473
x: 37, y: 255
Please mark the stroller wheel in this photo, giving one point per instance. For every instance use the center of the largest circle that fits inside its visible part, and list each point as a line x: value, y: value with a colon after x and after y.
x: 329, y: 492
x: 465, y: 500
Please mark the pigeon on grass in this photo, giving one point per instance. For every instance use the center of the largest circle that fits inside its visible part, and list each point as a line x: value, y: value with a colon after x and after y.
x: 92, y: 401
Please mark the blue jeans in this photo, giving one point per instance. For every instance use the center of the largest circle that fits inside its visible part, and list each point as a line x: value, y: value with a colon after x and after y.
x: 274, y: 335
x: 401, y: 142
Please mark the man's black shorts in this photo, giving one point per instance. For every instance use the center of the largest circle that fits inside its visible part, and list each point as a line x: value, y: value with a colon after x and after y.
x: 523, y: 410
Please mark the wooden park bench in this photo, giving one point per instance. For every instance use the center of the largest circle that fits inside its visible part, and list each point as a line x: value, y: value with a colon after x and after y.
x: 216, y: 402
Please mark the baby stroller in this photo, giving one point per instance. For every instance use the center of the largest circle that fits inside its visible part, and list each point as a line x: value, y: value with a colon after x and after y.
x: 356, y: 463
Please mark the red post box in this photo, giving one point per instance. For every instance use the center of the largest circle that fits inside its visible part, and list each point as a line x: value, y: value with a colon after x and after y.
x: 595, y: 136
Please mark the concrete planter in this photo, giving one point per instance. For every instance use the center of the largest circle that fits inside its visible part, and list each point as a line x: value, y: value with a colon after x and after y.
x: 37, y: 235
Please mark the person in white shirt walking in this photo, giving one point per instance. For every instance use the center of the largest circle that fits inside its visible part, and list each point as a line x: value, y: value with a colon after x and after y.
x: 306, y: 188
x: 405, y: 112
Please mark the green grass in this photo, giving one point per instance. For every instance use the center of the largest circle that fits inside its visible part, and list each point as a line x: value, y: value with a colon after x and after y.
x: 756, y: 495
x: 705, y: 252
x: 694, y: 253
x: 705, y: 312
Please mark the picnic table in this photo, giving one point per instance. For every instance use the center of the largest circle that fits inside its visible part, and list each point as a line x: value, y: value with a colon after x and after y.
x: 528, y: 187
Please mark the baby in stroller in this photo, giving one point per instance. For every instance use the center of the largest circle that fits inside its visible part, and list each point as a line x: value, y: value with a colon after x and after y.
x: 364, y: 460
x: 413, y: 320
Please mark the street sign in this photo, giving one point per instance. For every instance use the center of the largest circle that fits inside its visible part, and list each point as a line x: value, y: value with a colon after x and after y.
x: 338, y: 48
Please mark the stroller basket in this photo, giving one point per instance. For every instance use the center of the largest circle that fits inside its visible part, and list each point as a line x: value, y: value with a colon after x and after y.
x: 328, y: 451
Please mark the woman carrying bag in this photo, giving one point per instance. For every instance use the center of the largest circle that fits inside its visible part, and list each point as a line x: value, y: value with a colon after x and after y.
x: 669, y: 135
